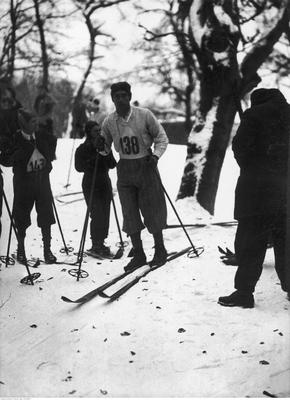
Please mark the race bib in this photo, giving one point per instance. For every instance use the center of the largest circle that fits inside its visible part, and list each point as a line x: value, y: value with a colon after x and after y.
x: 36, y: 162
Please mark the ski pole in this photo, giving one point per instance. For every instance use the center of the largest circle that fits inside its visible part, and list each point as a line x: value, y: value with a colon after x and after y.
x: 30, y: 276
x: 7, y: 260
x: 176, y: 213
x: 70, y: 162
x: 123, y: 244
x: 85, y: 226
x: 67, y: 250
x: 117, y: 222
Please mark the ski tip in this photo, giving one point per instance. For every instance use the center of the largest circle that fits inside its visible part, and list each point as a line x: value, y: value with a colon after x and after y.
x: 66, y: 299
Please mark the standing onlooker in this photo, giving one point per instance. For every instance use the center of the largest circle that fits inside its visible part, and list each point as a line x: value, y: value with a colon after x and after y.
x: 85, y: 159
x: 261, y: 150
x: 133, y: 131
x: 32, y: 157
x: 8, y: 130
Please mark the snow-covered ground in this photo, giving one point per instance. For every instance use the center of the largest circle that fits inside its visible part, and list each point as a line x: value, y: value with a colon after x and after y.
x: 165, y: 337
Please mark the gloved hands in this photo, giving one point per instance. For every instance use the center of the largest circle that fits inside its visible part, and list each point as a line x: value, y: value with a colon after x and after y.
x: 152, y: 160
x: 99, y: 143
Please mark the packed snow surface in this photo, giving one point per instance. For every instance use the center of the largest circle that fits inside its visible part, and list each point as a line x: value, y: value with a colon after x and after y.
x: 165, y: 337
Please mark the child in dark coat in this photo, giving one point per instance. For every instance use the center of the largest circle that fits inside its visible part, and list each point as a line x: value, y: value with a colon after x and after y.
x: 31, y: 160
x: 85, y: 158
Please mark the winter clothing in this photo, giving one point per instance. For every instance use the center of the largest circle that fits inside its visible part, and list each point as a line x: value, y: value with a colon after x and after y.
x: 1, y: 199
x: 141, y: 125
x: 139, y: 190
x: 138, y: 183
x: 261, y: 150
x: 85, y: 158
x: 31, y: 161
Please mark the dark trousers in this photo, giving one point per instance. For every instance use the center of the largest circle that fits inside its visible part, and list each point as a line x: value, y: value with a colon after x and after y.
x: 30, y: 189
x: 140, y: 190
x: 1, y: 199
x: 251, y: 244
x: 100, y: 210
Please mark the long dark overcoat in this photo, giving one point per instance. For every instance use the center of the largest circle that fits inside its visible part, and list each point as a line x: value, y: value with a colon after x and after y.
x: 261, y: 150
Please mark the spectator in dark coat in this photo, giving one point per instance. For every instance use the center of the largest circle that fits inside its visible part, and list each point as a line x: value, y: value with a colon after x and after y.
x: 261, y: 150
x: 8, y: 129
x: 85, y: 158
x: 32, y: 157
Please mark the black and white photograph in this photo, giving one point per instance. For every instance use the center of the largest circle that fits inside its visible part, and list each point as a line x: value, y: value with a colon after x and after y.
x: 144, y: 199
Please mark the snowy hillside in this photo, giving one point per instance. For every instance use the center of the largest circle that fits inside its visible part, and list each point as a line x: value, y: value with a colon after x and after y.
x: 165, y: 337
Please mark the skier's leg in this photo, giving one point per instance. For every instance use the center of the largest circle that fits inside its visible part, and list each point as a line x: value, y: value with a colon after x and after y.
x: 22, y: 206
x: 49, y: 258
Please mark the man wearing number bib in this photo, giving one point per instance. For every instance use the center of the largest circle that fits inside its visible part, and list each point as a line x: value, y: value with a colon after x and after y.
x: 31, y: 161
x: 133, y: 130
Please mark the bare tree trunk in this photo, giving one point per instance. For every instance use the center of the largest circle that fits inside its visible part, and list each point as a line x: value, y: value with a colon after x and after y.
x: 43, y: 46
x: 78, y: 113
x: 214, y: 40
x: 12, y: 50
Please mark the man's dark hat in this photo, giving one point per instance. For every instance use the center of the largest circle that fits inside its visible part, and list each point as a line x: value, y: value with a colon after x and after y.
x: 262, y: 95
x: 124, y: 86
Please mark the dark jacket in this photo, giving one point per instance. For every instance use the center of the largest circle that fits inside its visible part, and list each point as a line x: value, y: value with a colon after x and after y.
x: 45, y: 143
x: 261, y: 150
x: 85, y: 157
x: 8, y: 134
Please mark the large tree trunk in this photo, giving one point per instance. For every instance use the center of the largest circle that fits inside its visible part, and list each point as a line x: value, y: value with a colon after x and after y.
x: 207, y: 144
x: 215, y: 44
x: 215, y: 35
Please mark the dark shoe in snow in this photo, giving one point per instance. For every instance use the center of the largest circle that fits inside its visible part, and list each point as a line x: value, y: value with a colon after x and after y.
x: 237, y: 299
x: 20, y: 255
x: 160, y: 256
x: 100, y: 251
x: 137, y: 261
x: 288, y: 296
x: 49, y: 258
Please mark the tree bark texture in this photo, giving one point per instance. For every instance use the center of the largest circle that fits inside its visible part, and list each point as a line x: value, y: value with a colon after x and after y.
x: 215, y: 35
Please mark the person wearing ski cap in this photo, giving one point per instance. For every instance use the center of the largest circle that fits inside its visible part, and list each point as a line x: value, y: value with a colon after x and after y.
x: 34, y: 151
x: 261, y: 149
x: 133, y: 130
x: 85, y: 159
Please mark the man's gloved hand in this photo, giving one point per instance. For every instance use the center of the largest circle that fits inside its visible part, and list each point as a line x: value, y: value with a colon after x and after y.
x: 99, y: 143
x: 152, y: 160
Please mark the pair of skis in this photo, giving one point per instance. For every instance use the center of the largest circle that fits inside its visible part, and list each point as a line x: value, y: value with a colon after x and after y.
x: 100, y: 291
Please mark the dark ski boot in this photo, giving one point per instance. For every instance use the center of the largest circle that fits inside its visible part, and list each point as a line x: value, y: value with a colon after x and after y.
x: 237, y: 299
x: 99, y: 250
x: 49, y: 257
x: 20, y: 255
x: 159, y: 257
x: 138, y: 259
